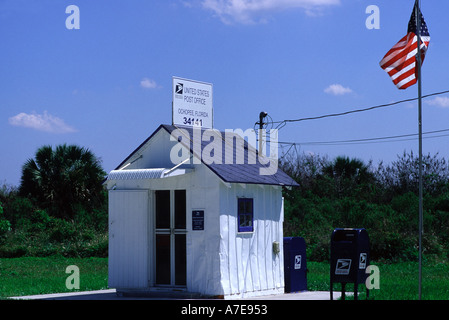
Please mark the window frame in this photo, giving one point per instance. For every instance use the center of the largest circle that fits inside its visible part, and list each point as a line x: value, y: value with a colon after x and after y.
x: 246, y: 212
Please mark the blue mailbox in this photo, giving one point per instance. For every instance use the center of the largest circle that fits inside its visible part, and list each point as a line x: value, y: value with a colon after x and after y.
x: 350, y: 256
x: 295, y: 264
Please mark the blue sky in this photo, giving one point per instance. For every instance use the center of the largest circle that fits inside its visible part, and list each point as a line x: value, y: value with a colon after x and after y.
x: 108, y: 85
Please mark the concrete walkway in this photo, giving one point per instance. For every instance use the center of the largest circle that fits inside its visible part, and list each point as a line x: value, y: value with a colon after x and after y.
x: 111, y: 294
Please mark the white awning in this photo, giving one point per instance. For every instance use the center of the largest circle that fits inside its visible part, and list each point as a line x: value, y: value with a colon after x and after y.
x: 140, y: 174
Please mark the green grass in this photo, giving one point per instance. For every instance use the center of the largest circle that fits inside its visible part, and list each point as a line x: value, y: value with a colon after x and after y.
x: 30, y: 276
x: 398, y: 281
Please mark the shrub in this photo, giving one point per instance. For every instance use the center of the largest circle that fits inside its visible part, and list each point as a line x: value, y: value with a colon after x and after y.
x: 62, y: 231
x: 28, y: 230
x: 5, y: 225
x: 18, y: 210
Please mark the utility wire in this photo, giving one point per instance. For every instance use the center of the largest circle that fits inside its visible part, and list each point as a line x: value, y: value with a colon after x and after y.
x: 369, y: 140
x: 281, y: 124
x: 284, y: 122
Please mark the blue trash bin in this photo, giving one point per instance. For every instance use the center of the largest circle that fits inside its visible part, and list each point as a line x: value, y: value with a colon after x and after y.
x: 295, y: 264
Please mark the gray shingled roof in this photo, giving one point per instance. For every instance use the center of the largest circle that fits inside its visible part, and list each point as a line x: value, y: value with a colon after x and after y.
x: 231, y: 172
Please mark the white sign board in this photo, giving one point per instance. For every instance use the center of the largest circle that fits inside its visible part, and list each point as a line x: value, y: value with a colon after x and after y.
x: 192, y: 103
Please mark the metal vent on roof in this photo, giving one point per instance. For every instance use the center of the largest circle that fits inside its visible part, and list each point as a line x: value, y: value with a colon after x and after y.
x: 136, y: 174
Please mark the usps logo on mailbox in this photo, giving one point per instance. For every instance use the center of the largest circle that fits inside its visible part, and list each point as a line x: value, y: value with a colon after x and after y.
x: 343, y: 266
x: 362, y: 263
x: 298, y: 262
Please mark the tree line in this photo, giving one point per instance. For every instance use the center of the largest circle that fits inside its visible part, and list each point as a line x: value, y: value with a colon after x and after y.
x: 383, y: 199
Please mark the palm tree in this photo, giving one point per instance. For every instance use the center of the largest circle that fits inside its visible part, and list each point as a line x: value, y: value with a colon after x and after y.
x: 349, y: 175
x: 62, y: 179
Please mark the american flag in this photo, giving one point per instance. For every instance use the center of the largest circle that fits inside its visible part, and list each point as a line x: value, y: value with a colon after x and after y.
x: 400, y: 62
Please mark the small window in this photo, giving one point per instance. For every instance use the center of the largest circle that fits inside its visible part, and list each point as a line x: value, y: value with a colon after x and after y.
x: 245, y: 214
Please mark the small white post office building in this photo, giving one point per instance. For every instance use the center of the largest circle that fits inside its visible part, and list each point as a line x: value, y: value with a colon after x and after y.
x: 208, y: 227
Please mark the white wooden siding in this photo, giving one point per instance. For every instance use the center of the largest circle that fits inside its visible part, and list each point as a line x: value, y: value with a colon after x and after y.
x: 128, y: 238
x: 248, y: 265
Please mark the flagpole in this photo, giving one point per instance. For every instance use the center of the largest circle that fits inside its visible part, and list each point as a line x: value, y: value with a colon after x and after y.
x: 418, y: 27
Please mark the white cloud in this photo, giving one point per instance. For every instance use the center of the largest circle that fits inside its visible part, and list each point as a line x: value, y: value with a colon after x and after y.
x: 148, y: 83
x: 42, y: 122
x: 337, y: 90
x: 244, y: 11
x: 442, y: 102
